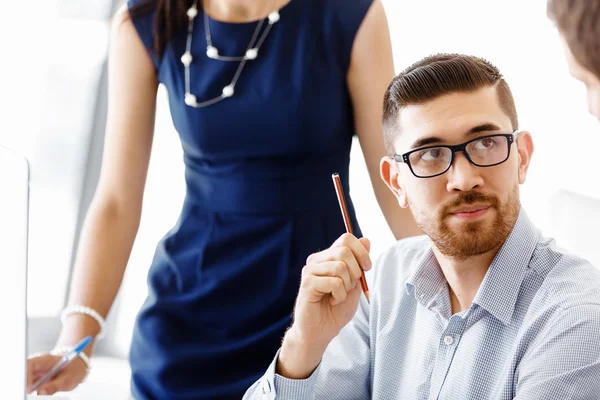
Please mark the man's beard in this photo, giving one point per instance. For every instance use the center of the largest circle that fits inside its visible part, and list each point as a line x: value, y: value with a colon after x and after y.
x: 471, y: 238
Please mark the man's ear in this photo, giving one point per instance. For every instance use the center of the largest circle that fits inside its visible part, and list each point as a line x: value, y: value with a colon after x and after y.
x: 525, y: 148
x: 390, y: 174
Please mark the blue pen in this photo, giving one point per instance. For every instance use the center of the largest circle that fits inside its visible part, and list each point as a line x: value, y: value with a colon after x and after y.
x: 63, y: 361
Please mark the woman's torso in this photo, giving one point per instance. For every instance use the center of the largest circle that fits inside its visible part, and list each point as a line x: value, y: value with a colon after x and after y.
x: 259, y: 196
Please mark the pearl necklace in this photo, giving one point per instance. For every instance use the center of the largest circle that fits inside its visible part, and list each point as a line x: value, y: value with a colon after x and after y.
x: 213, y: 53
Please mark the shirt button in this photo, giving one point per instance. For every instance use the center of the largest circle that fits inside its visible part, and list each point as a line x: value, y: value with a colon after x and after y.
x: 448, y: 340
x: 267, y: 390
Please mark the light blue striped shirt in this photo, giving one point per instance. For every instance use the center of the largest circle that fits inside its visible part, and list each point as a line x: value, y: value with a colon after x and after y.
x: 532, y: 333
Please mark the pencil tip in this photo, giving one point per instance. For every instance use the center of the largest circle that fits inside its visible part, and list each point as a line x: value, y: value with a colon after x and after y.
x: 367, y: 296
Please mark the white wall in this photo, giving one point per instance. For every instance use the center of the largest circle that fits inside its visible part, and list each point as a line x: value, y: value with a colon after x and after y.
x: 513, y: 34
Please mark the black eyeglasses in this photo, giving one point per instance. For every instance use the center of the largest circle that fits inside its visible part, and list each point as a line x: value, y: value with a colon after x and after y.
x: 484, y: 151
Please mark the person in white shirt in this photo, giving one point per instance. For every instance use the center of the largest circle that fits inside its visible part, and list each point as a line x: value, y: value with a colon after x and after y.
x: 484, y: 306
x: 578, y: 24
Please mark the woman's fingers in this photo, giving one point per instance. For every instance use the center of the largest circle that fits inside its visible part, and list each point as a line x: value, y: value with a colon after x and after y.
x: 38, y: 366
x: 66, y: 380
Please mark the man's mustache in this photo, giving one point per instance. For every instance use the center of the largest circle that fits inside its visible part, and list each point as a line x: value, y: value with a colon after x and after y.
x: 470, y: 198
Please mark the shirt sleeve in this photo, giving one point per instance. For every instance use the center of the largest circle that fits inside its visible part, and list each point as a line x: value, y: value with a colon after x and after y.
x: 565, y: 364
x: 344, y: 371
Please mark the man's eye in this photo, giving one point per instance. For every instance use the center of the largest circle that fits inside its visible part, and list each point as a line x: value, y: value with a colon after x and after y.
x: 430, y: 154
x: 485, y: 144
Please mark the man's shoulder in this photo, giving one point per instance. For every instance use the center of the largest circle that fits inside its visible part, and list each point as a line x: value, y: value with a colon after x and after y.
x: 568, y: 279
x: 559, y: 336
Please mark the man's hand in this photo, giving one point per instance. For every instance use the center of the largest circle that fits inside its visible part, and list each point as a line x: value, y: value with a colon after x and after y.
x: 327, y: 301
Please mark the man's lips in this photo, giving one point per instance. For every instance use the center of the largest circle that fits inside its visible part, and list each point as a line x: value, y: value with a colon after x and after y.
x: 470, y: 212
x: 470, y: 209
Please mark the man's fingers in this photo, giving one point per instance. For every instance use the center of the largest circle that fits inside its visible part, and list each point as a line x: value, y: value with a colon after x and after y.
x: 317, y: 287
x: 338, y: 254
x: 348, y: 257
x: 361, y: 253
x: 359, y: 248
x: 334, y: 269
x: 365, y: 242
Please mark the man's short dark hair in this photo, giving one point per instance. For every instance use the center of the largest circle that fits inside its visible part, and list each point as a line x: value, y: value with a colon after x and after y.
x: 439, y: 75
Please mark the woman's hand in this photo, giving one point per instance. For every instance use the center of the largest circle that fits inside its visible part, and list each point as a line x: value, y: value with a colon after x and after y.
x: 68, y: 378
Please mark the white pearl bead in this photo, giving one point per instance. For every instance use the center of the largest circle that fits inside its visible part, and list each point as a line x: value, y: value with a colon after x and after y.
x: 190, y: 99
x: 186, y: 58
x: 251, y: 54
x: 273, y: 17
x: 228, y: 91
x: 212, y: 52
x: 192, y: 12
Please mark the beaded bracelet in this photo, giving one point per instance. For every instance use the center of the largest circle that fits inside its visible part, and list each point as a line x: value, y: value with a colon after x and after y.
x: 78, y: 309
x: 62, y: 350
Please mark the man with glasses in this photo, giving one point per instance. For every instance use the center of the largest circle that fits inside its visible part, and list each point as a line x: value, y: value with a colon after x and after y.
x: 483, y: 307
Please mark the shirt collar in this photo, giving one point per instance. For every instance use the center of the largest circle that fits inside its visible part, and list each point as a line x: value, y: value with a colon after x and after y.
x: 427, y: 280
x: 499, y: 290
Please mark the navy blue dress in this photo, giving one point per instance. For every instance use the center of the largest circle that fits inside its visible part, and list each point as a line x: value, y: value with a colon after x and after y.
x: 259, y: 197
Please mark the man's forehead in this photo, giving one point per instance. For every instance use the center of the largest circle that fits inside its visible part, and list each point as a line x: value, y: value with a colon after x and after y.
x: 451, y: 116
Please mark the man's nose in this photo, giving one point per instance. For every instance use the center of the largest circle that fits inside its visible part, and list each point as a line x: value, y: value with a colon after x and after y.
x: 463, y: 175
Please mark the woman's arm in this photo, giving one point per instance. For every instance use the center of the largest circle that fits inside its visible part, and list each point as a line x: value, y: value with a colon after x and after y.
x: 113, y: 218
x: 371, y: 71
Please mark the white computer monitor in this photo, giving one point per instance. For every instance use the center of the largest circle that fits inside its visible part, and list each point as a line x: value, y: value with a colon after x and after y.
x: 14, y: 206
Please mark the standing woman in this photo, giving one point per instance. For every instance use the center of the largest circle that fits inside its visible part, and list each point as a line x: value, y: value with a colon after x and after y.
x: 266, y: 96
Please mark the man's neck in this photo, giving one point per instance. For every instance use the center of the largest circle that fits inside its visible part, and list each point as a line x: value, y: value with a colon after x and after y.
x: 464, y: 277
